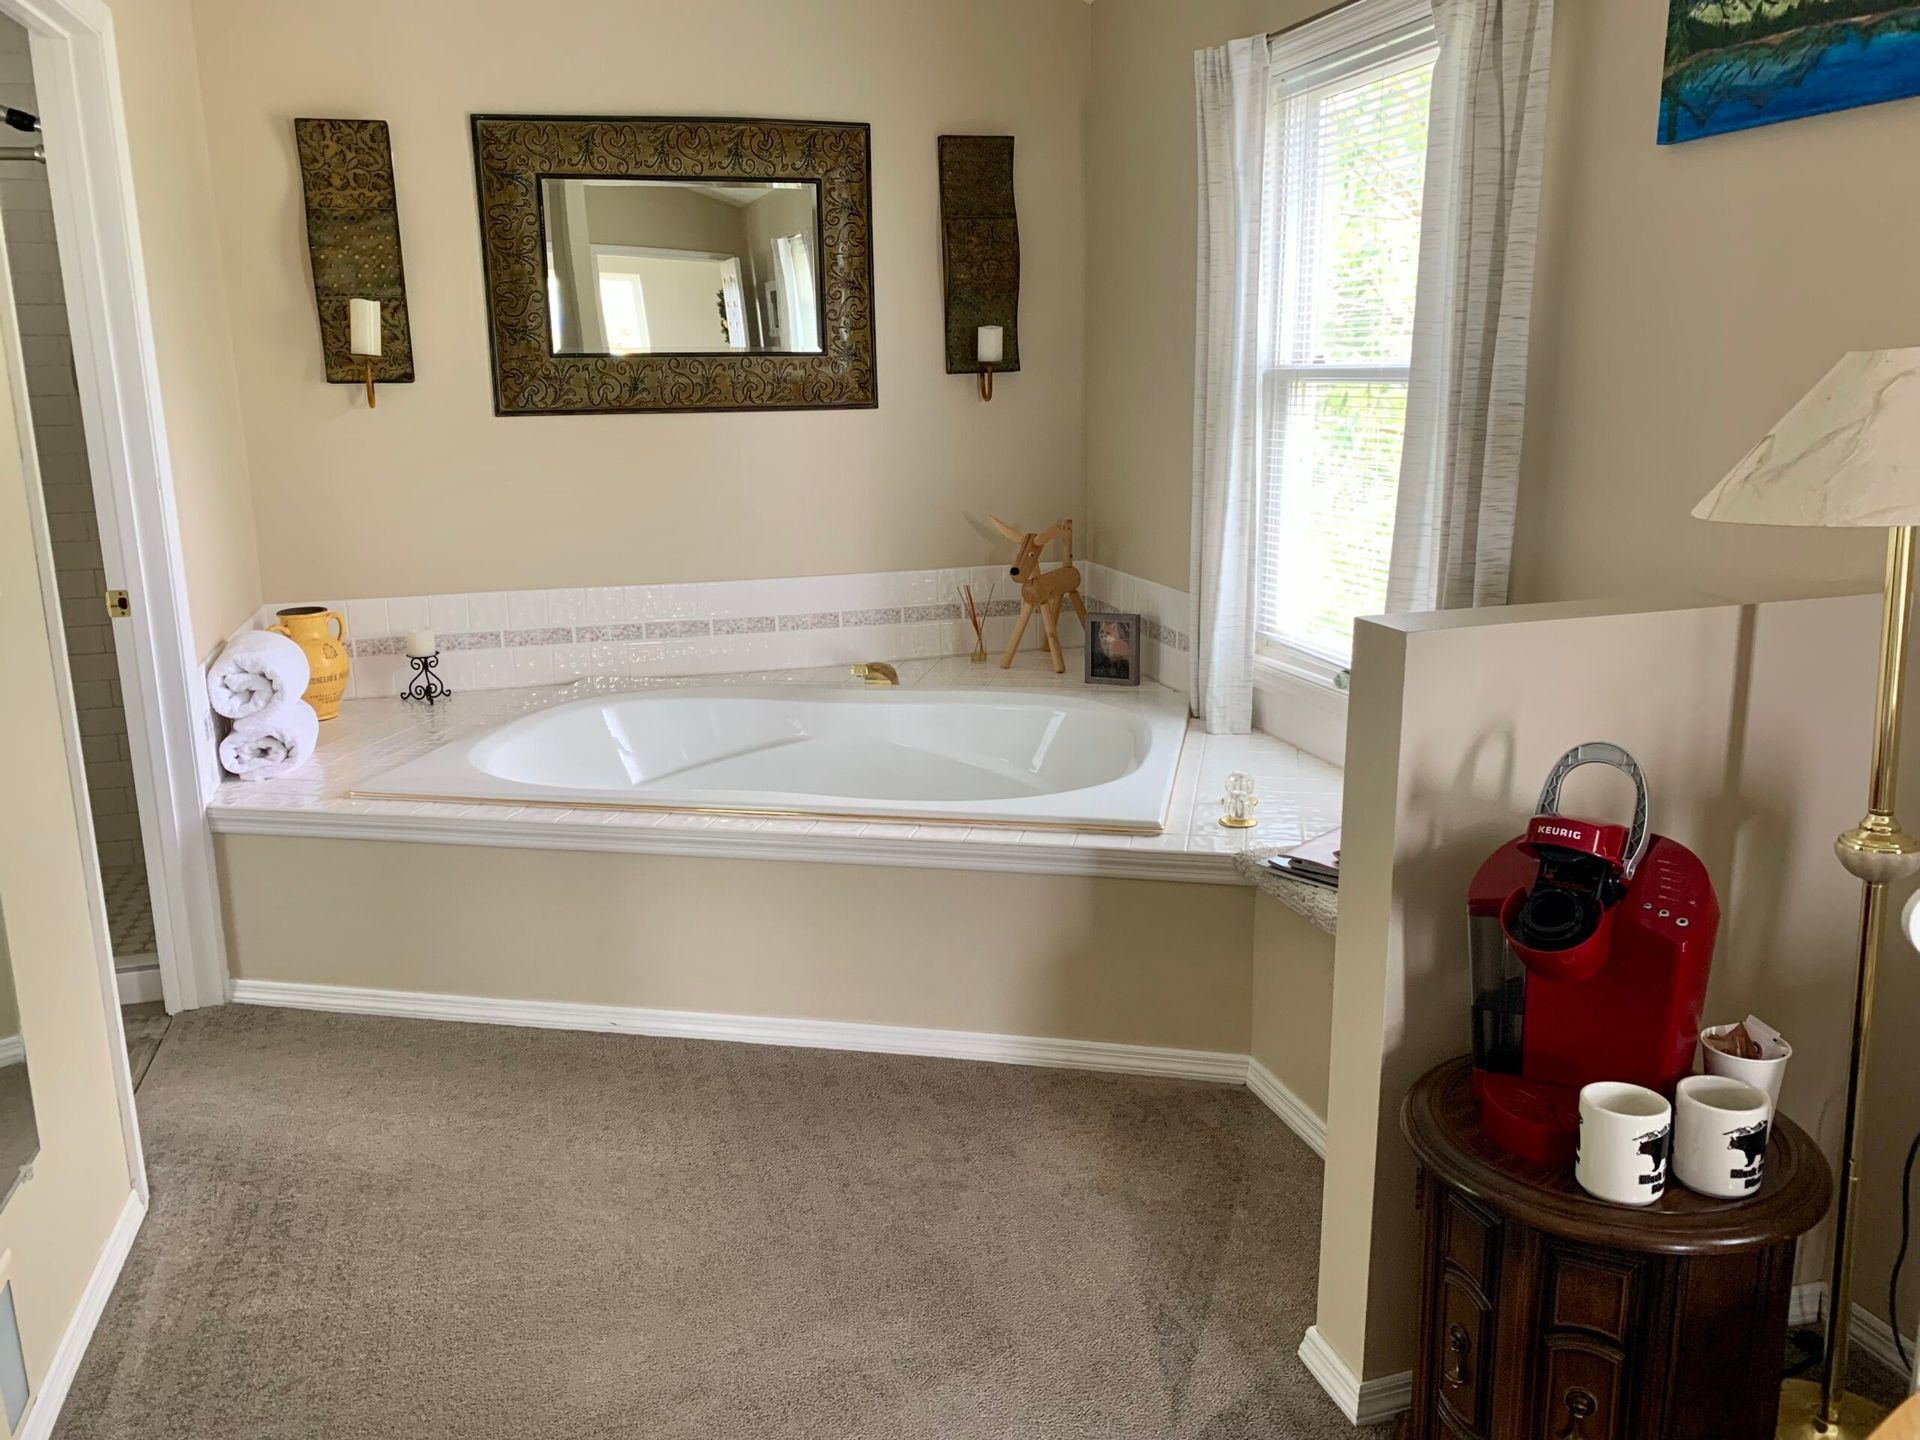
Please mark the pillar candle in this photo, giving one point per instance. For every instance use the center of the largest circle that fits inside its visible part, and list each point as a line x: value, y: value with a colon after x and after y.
x: 365, y: 324
x: 420, y: 642
x: 993, y: 344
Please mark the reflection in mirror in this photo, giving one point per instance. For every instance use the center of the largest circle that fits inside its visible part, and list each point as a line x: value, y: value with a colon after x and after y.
x: 653, y: 267
x: 19, y: 1135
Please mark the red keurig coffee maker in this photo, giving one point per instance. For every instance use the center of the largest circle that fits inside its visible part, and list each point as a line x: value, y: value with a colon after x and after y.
x: 1590, y: 944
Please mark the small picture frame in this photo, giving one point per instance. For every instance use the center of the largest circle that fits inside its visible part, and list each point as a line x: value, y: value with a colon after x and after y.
x: 1113, y: 649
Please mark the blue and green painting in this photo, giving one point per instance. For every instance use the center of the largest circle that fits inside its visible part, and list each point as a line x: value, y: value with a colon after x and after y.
x: 1735, y: 64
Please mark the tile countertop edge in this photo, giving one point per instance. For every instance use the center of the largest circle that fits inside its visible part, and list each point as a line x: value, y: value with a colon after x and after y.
x: 1182, y: 867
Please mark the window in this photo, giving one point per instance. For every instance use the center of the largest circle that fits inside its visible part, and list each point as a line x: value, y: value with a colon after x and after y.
x: 1345, y: 174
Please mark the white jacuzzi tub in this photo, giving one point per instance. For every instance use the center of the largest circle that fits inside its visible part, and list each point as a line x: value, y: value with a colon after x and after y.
x: 1027, y: 758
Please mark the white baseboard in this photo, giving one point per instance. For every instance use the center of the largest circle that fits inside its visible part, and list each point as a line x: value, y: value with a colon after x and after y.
x: 51, y: 1393
x: 1295, y: 1112
x: 139, y: 986
x: 753, y: 1029
x: 1363, y: 1402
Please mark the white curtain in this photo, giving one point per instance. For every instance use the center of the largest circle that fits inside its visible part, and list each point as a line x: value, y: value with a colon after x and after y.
x: 1231, y: 85
x: 1466, y: 401
x: 802, y: 328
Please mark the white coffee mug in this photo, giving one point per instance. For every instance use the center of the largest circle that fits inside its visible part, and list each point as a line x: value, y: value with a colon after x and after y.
x: 1720, y: 1129
x: 1626, y: 1134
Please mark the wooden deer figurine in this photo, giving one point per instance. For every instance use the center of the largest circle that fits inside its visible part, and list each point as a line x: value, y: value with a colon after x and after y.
x: 1042, y: 590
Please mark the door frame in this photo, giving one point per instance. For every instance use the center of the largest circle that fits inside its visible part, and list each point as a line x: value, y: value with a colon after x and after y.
x: 170, y: 724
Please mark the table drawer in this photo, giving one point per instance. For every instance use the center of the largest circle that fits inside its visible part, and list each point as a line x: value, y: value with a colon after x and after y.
x: 1580, y: 1395
x: 1463, y: 1344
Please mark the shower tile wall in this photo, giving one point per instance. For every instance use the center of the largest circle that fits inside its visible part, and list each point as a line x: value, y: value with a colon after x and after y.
x: 26, y: 209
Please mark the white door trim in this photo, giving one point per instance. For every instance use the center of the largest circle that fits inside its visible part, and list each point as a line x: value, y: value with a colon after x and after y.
x: 13, y: 364
x: 77, y: 78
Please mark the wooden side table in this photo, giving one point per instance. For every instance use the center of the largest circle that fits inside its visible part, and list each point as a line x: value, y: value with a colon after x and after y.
x: 1548, y: 1315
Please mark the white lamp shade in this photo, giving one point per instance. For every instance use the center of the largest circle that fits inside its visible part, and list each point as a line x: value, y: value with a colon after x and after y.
x: 1846, y: 455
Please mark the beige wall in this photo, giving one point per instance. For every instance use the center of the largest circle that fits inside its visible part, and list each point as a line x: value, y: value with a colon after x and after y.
x: 57, y: 1223
x: 1686, y: 297
x: 188, y: 300
x: 435, y: 493
x: 1136, y: 962
x: 665, y: 217
x: 1292, y: 1016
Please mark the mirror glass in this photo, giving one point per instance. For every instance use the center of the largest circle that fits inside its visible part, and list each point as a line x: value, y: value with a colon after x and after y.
x: 682, y: 267
x: 19, y: 1135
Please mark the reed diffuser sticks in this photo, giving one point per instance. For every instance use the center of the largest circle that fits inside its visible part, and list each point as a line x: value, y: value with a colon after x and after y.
x: 977, y: 618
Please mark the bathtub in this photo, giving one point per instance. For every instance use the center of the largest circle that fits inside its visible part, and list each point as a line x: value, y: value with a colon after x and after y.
x: 1035, y: 759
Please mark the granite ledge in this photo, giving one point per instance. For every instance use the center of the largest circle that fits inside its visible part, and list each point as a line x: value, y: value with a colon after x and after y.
x: 1316, y: 904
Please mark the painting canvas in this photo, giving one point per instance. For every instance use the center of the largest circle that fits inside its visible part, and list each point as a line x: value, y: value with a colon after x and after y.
x: 1735, y: 64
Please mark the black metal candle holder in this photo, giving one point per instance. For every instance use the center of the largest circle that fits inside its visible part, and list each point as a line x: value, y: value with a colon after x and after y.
x: 426, y: 683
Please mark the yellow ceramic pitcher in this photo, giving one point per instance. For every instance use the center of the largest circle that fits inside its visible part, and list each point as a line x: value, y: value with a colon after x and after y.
x: 307, y: 626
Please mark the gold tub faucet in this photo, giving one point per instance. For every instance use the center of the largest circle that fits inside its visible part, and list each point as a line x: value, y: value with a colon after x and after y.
x: 877, y: 672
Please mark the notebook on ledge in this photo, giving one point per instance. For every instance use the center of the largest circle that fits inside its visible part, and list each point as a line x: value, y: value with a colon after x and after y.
x: 1317, y: 861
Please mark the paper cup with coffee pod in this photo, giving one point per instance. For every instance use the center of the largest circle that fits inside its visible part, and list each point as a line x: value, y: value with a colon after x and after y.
x: 1751, y: 1052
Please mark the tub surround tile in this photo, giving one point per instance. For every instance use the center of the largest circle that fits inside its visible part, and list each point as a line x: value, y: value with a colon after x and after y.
x: 407, y: 614
x: 731, y: 626
x: 538, y: 635
x: 526, y: 610
x: 606, y: 605
x: 608, y: 634
x: 566, y: 607
x: 367, y: 617
x: 447, y: 613
x: 678, y: 629
x: 488, y: 611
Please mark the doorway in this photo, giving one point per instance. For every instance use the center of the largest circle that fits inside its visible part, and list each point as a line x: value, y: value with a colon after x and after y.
x: 33, y: 255
x: 68, y: 495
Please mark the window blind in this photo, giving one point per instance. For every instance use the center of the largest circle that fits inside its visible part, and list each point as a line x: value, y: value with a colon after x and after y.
x: 1346, y: 166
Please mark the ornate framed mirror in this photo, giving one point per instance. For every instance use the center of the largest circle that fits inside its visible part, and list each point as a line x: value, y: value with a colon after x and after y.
x: 676, y: 264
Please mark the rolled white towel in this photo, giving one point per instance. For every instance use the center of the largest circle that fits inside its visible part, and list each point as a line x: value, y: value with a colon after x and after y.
x: 273, y: 742
x: 256, y: 671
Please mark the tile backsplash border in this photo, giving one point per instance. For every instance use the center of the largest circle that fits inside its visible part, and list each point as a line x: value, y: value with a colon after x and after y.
x: 493, y: 640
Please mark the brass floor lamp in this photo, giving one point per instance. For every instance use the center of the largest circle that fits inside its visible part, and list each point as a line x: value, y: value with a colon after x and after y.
x: 1848, y: 455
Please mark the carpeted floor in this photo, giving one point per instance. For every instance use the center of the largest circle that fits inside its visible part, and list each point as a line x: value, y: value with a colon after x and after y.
x: 374, y: 1228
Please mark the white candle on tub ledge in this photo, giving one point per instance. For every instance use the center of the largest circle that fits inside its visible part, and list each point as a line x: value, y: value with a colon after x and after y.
x: 363, y: 321
x: 992, y: 344
x: 420, y: 643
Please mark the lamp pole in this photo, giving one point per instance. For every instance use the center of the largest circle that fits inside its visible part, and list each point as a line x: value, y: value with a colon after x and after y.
x: 1877, y: 852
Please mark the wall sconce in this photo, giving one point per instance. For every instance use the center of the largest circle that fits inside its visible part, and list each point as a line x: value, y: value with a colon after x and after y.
x: 990, y: 349
x: 980, y: 257
x: 364, y: 343
x: 353, y: 240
